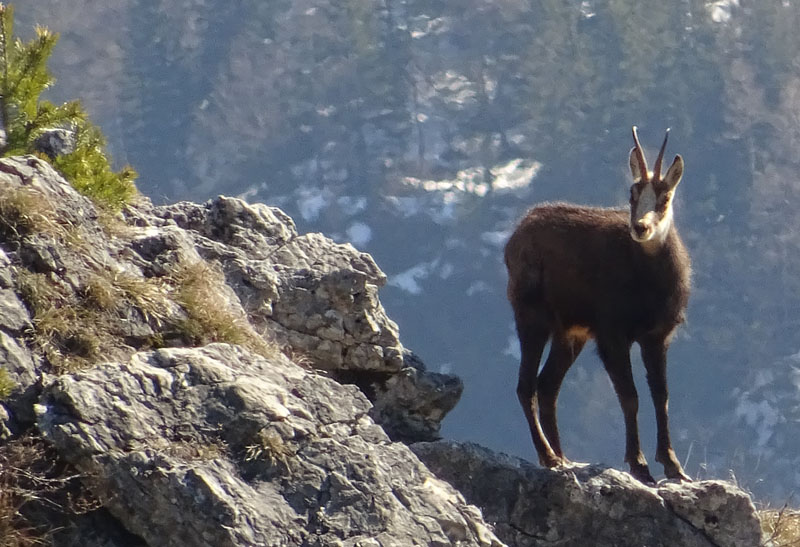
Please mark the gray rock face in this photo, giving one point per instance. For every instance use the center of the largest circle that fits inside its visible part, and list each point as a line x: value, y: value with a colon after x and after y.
x: 718, y: 509
x: 590, y: 505
x: 400, y: 409
x: 319, y: 299
x: 217, y: 446
x: 316, y: 296
x: 316, y: 299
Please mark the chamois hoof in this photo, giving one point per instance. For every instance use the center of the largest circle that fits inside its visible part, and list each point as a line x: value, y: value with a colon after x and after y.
x: 570, y: 465
x: 677, y: 475
x: 642, y: 474
x: 551, y: 462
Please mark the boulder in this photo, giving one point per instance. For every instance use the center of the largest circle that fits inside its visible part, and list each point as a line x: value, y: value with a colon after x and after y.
x: 55, y: 142
x: 316, y: 299
x: 319, y: 300
x: 219, y: 446
x: 591, y: 505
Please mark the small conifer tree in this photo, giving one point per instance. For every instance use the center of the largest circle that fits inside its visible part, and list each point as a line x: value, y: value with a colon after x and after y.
x: 24, y: 116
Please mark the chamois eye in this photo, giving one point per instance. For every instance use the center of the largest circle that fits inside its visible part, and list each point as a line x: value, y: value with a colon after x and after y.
x: 634, y: 193
x: 663, y: 200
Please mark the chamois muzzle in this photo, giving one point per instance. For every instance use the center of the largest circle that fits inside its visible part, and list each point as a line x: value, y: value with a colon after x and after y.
x: 640, y: 230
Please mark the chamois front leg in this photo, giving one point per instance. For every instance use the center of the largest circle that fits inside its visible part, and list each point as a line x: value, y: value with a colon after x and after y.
x: 615, y: 355
x: 532, y: 339
x: 654, y: 355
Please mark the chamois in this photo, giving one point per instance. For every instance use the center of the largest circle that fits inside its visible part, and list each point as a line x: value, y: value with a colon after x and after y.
x: 616, y: 275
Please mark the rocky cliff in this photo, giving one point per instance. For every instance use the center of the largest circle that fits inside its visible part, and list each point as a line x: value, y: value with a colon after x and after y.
x: 202, y: 374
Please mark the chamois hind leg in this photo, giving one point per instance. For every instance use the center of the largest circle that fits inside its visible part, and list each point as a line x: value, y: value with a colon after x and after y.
x: 654, y: 355
x: 533, y: 334
x: 564, y: 349
x: 616, y: 358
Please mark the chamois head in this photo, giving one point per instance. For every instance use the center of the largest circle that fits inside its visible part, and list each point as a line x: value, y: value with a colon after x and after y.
x: 651, y: 194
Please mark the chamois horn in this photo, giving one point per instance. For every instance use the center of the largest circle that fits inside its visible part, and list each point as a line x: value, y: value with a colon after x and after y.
x: 657, y: 166
x: 640, y: 155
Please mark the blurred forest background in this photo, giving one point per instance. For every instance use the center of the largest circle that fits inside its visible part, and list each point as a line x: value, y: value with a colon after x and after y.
x: 421, y: 130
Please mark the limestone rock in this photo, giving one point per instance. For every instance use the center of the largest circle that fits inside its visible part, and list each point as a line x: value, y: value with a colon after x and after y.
x: 316, y: 299
x: 217, y: 446
x: 591, y: 505
x: 5, y: 271
x: 23, y: 368
x: 319, y: 300
x: 15, y: 317
x: 411, y: 404
x: 717, y: 508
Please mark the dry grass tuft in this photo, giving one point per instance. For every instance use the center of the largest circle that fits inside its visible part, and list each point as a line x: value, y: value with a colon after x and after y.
x: 199, y: 289
x: 38, y: 291
x: 147, y: 295
x: 194, y: 451
x: 24, y: 211
x: 781, y: 528
x: 70, y: 337
x: 269, y: 448
x: 100, y: 294
x: 68, y: 333
x: 37, y: 492
x: 72, y: 330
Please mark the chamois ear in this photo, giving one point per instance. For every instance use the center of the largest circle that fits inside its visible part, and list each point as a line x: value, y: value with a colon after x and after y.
x: 636, y: 169
x: 674, y: 173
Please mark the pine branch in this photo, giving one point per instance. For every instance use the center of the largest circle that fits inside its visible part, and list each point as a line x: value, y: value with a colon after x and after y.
x: 32, y: 76
x: 6, y: 28
x: 25, y: 116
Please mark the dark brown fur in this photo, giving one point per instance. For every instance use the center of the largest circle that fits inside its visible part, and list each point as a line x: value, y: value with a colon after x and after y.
x: 575, y: 273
